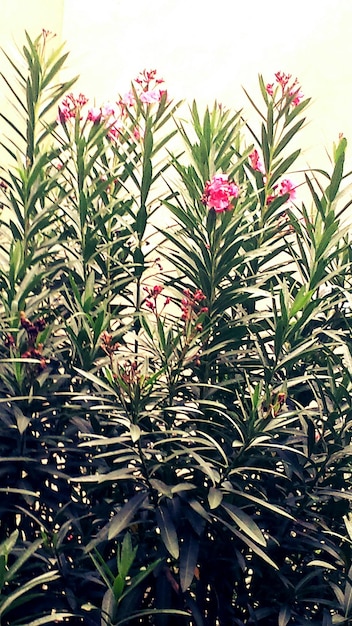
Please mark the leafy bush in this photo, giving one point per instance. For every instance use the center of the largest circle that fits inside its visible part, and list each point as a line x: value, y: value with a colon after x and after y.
x: 175, y: 407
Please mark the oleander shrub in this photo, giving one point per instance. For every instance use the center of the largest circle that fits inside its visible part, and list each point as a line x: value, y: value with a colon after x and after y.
x: 175, y: 359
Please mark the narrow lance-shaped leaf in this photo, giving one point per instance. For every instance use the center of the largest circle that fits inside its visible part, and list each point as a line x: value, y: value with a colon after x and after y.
x: 188, y: 559
x: 167, y: 530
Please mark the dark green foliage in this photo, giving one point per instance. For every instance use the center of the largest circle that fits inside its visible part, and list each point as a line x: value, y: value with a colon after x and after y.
x: 175, y: 382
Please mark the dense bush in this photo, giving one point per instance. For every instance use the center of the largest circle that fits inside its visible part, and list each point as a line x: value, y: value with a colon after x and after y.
x: 175, y: 407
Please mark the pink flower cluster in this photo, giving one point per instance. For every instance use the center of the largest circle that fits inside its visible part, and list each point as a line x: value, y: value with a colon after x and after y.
x: 34, y: 349
x: 152, y: 295
x: 149, y: 90
x: 256, y: 162
x: 112, y: 115
x: 71, y: 107
x: 192, y: 307
x: 219, y: 193
x: 290, y: 89
x: 286, y: 186
x: 108, y: 344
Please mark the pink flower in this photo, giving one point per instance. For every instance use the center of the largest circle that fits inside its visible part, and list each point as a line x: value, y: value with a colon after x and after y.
x: 290, y: 89
x: 71, y: 106
x: 113, y: 123
x: 94, y: 114
x: 282, y: 79
x: 286, y: 186
x: 64, y: 114
x: 148, y: 87
x: 146, y: 77
x: 148, y: 97
x: 108, y: 110
x: 128, y: 99
x: 153, y: 294
x: 114, y: 129
x: 256, y: 162
x: 298, y: 96
x: 191, y: 305
x: 219, y: 192
x: 199, y: 296
x: 270, y: 89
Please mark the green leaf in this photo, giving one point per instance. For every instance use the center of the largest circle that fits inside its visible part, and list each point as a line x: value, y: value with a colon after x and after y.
x: 146, y: 181
x: 287, y: 138
x: 245, y: 523
x: 148, y: 612
x: 167, y: 530
x: 215, y: 497
x: 253, y: 546
x: 284, y: 615
x: 48, y: 619
x: 141, y: 220
x: 22, y: 558
x: 22, y: 592
x: 283, y: 167
x: 126, y: 514
x: 337, y: 174
x: 348, y: 523
x: 8, y: 544
x: 138, y: 258
x: 142, y: 575
x: 302, y: 298
x: 188, y: 559
x: 266, y: 149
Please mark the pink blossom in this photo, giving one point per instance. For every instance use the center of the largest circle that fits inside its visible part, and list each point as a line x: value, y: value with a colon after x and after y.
x: 146, y: 77
x: 153, y: 294
x: 191, y: 305
x: 111, y: 118
x: 199, y: 296
x: 290, y: 89
x: 298, y: 96
x: 287, y: 186
x: 128, y: 99
x: 108, y: 110
x: 64, y: 114
x: 282, y: 78
x: 114, y: 128
x: 109, y: 115
x: 218, y: 193
x: 94, y: 114
x: 148, y: 97
x: 136, y: 133
x: 270, y: 89
x: 256, y: 162
x: 71, y: 106
x: 148, y: 87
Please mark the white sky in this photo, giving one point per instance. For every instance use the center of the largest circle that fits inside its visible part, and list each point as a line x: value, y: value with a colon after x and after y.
x: 205, y: 50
